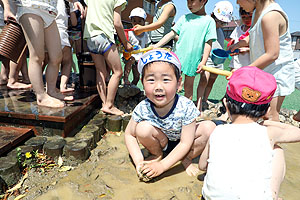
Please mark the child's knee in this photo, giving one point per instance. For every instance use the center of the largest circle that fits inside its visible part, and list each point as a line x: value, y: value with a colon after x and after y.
x: 144, y: 129
x: 205, y: 128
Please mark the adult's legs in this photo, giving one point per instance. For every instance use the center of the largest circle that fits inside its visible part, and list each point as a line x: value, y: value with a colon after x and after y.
x: 278, y: 170
x: 203, y: 131
x: 275, y: 106
x: 66, y: 65
x: 189, y: 86
x: 33, y: 27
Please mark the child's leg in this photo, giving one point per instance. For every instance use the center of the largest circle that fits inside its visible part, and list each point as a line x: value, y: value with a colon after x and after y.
x: 113, y: 61
x: 4, y: 71
x: 24, y: 69
x: 275, y: 106
x: 13, y: 82
x: 189, y: 86
x: 53, y: 45
x: 66, y: 69
x: 136, y: 75
x: 278, y: 170
x: 201, y: 88
x: 33, y: 27
x: 101, y: 72
x: 127, y: 70
x: 153, y: 139
x: 203, y: 131
x: 211, y: 81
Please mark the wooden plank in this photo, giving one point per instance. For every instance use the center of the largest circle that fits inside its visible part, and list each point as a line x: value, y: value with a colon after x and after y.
x: 10, y: 137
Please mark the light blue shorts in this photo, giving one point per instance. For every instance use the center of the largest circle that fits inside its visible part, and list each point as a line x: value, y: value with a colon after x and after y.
x: 99, y: 44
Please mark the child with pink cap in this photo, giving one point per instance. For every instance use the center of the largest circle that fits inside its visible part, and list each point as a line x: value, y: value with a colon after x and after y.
x: 243, y: 159
x: 165, y: 122
x: 270, y: 47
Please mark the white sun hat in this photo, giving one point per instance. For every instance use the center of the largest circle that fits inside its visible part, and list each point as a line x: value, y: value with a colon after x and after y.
x: 223, y: 11
x: 138, y: 12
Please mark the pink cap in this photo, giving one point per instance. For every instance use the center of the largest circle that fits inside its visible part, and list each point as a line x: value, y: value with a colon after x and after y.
x: 251, y: 85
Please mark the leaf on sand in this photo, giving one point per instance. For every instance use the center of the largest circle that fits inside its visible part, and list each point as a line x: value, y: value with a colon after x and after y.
x: 60, y: 161
x: 65, y: 168
x: 20, y: 196
x: 19, y: 185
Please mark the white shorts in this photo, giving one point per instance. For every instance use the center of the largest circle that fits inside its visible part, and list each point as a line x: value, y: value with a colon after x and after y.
x: 64, y: 38
x: 47, y: 17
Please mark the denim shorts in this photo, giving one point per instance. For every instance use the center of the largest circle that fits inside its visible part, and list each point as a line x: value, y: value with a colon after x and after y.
x: 99, y: 44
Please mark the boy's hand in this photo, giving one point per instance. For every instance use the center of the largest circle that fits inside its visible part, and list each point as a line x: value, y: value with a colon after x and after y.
x: 9, y: 15
x: 128, y: 47
x: 152, y: 169
x: 78, y: 6
x: 232, y: 71
x: 137, y: 29
x: 199, y: 68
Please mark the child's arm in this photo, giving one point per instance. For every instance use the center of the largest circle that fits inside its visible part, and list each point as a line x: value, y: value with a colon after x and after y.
x: 119, y: 28
x: 169, y: 11
x: 204, y: 157
x: 7, y: 12
x: 206, y: 52
x: 271, y: 24
x: 132, y: 144
x: 186, y: 140
x: 165, y: 39
x: 282, y: 133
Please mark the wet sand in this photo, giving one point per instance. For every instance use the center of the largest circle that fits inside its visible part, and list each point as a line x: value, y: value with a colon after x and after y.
x: 109, y: 174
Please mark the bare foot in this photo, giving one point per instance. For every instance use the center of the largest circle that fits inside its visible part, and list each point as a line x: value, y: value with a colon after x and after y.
x: 49, y: 101
x: 190, y: 169
x: 61, y: 96
x: 113, y: 110
x: 18, y: 86
x: 66, y: 90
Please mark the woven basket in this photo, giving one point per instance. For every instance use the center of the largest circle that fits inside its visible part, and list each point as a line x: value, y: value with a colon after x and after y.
x: 12, y: 41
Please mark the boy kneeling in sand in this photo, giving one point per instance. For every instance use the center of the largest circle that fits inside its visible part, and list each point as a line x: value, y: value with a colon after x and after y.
x: 164, y: 122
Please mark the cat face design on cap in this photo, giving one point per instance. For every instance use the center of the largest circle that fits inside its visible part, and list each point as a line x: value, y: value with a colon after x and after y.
x: 250, y: 95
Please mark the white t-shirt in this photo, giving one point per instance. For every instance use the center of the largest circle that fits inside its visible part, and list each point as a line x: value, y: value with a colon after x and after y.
x: 239, y: 163
x: 239, y: 60
x: 62, y: 16
x: 141, y: 41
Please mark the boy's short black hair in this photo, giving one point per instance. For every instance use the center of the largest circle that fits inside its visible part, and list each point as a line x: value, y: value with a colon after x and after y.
x: 249, y: 110
x: 176, y: 70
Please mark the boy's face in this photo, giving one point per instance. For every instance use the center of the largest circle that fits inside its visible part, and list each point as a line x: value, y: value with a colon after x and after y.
x: 195, y: 5
x: 247, y: 5
x: 160, y: 83
x: 246, y: 19
x: 137, y: 21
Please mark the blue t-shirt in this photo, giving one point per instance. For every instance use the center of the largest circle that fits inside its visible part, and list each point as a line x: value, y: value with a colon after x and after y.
x: 183, y: 112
